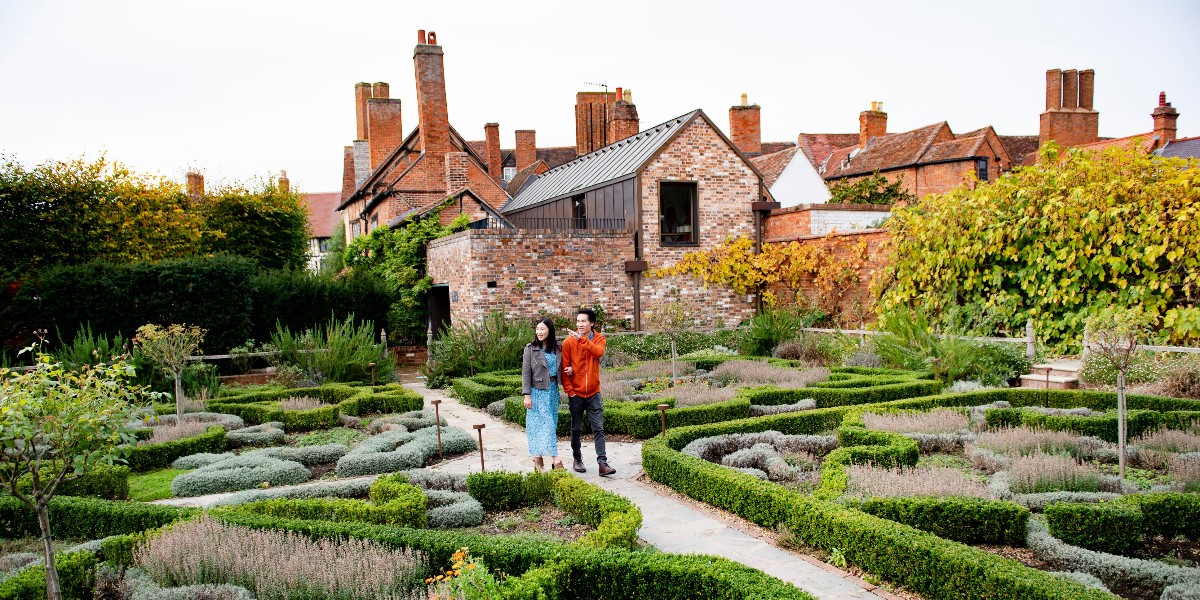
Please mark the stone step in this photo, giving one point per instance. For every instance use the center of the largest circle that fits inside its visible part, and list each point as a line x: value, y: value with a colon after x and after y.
x: 1050, y: 382
x: 1058, y: 369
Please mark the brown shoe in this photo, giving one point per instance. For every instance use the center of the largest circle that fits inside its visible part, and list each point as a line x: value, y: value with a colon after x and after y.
x: 606, y: 470
x: 538, y: 464
x: 557, y: 465
x: 579, y: 468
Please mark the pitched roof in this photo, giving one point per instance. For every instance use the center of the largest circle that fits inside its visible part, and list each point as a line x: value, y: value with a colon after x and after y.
x: 1181, y: 148
x: 611, y: 163
x: 323, y: 217
x: 956, y: 149
x: 1020, y: 146
x: 885, y: 152
x: 772, y: 165
x: 773, y: 147
x: 818, y: 146
x: 1144, y: 141
x: 524, y: 176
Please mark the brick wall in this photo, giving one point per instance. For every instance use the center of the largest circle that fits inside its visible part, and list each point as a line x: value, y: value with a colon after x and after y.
x: 726, y: 186
x: 745, y: 128
x: 560, y: 272
x: 786, y: 224
x: 854, y: 303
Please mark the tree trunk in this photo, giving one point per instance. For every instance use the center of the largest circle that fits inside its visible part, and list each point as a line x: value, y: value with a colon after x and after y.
x: 53, y: 590
x: 179, y: 394
x: 1121, y: 416
x: 674, y: 371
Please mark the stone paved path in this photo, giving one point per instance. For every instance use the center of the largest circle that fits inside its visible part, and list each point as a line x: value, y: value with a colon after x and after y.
x: 669, y: 524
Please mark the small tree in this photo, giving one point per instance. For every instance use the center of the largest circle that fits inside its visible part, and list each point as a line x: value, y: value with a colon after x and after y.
x: 170, y: 347
x: 672, y: 318
x: 1114, y: 335
x: 55, y: 425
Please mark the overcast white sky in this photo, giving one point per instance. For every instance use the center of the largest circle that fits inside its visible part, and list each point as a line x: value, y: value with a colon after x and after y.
x: 245, y: 88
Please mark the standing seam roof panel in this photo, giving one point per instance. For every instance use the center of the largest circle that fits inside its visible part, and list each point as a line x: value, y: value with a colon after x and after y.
x: 610, y: 163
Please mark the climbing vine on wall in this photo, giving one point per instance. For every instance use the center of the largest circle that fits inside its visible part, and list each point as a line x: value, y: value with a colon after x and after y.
x: 1054, y: 243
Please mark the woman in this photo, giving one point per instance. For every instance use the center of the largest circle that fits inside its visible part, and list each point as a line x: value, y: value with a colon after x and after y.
x: 539, y: 383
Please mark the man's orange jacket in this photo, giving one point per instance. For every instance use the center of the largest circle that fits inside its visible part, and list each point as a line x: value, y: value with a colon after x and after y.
x: 583, y: 355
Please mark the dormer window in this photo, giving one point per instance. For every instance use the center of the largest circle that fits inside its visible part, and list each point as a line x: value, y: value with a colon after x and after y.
x: 508, y: 174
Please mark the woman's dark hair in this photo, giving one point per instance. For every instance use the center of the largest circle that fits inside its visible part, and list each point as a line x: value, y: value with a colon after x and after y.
x: 551, y: 344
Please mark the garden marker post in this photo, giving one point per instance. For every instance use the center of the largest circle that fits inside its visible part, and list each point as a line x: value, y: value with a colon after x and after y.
x: 437, y: 420
x: 662, y: 411
x: 372, y: 372
x: 479, y: 428
x: 383, y: 342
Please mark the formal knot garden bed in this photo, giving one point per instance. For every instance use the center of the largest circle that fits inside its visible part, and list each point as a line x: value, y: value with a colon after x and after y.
x: 730, y: 388
x: 935, y: 493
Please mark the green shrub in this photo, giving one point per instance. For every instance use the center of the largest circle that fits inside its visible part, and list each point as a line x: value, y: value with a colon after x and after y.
x: 109, y: 482
x: 640, y: 419
x: 496, y: 490
x: 337, y: 351
x: 1168, y: 514
x: 495, y: 344
x: 966, y: 520
x: 1139, y: 422
x: 657, y: 346
x: 149, y: 457
x: 773, y: 326
x: 402, y: 512
x: 86, y: 518
x: 75, y: 578
x: 475, y: 393
x: 239, y: 473
x: 298, y: 300
x: 1112, y: 527
x: 1098, y: 368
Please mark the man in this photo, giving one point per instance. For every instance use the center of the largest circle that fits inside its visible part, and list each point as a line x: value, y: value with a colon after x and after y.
x: 581, y: 379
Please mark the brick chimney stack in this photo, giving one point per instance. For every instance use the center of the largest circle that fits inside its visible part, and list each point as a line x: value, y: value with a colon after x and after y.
x: 195, y: 186
x: 871, y: 124
x: 492, y: 135
x: 385, y: 128
x: 362, y: 93
x: 284, y: 184
x: 526, y: 148
x: 431, y: 101
x: 1165, y: 116
x: 1069, y: 119
x: 592, y: 115
x: 624, y: 122
x: 745, y: 127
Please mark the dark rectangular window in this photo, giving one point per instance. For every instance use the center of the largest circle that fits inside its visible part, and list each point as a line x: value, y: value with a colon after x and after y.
x: 678, y: 213
x: 981, y: 168
x: 579, y: 211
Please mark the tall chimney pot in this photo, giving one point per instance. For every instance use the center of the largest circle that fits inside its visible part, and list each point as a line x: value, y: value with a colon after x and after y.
x: 1165, y: 119
x: 285, y: 186
x: 381, y: 90
x: 526, y: 148
x: 420, y: 36
x: 871, y: 124
x: 745, y: 99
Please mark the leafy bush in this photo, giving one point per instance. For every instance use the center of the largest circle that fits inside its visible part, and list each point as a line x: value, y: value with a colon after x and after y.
x: 239, y: 473
x: 298, y: 300
x: 495, y: 344
x: 1100, y: 369
x: 816, y: 348
x: 473, y: 392
x: 496, y: 490
x: 657, y: 346
x: 912, y: 344
x: 74, y: 574
x: 339, y: 351
x: 773, y: 326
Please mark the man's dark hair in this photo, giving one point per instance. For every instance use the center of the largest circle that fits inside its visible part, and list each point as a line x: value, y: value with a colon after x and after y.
x: 591, y: 314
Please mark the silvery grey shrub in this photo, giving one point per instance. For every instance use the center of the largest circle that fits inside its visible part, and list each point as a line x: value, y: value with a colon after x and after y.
x: 201, y: 459
x: 259, y: 435
x: 305, y: 455
x: 239, y: 473
x: 453, y: 509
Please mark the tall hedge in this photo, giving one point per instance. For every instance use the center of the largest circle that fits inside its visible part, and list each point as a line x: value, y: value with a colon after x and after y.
x: 226, y: 295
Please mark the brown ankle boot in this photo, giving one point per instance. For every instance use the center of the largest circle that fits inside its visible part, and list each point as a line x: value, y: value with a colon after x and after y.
x: 558, y: 464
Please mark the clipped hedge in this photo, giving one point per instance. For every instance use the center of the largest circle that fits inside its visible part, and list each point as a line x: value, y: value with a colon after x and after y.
x: 966, y: 520
x: 75, y: 577
x: 341, y: 399
x: 1140, y: 421
x: 482, y: 390
x: 160, y: 456
x: 931, y: 565
x: 844, y: 396
x: 640, y: 419
x: 86, y: 518
x: 1113, y: 527
x: 109, y: 482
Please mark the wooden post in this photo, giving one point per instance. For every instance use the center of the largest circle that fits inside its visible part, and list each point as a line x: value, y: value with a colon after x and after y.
x: 479, y: 428
x: 1030, y: 341
x: 372, y: 365
x: 662, y: 410
x: 437, y: 420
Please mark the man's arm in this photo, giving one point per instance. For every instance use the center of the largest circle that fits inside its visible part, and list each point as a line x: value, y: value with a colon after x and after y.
x: 594, y: 346
x: 567, y: 383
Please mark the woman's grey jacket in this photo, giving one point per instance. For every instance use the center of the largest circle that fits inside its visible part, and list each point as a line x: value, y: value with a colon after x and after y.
x: 534, y: 372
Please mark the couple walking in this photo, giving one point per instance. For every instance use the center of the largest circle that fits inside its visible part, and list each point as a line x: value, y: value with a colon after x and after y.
x: 576, y: 365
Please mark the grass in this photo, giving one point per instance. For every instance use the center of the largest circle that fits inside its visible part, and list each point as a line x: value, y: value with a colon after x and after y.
x: 155, y: 485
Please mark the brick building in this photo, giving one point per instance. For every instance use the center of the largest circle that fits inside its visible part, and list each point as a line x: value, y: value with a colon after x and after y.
x: 587, y: 231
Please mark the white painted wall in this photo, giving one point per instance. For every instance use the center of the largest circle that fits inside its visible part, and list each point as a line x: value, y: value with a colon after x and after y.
x: 799, y: 184
x: 822, y: 222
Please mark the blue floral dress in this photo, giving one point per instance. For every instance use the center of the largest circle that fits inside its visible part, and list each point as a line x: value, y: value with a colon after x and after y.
x: 541, y: 421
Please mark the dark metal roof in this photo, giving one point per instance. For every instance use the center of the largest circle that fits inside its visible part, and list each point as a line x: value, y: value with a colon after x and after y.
x: 609, y: 164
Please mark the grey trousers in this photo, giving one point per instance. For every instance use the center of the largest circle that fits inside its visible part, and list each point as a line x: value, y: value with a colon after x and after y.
x: 595, y: 414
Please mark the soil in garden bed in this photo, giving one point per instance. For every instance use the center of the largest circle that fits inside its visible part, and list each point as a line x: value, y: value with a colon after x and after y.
x: 546, y: 520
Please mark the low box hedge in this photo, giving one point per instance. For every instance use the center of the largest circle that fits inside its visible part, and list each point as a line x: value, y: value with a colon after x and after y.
x: 160, y: 456
x: 108, y: 482
x: 931, y: 565
x: 1112, y: 527
x: 639, y: 419
x: 86, y: 518
x: 473, y: 391
x: 263, y: 407
x: 966, y: 520
x: 399, y: 513
x: 1139, y: 422
x: 76, y: 579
